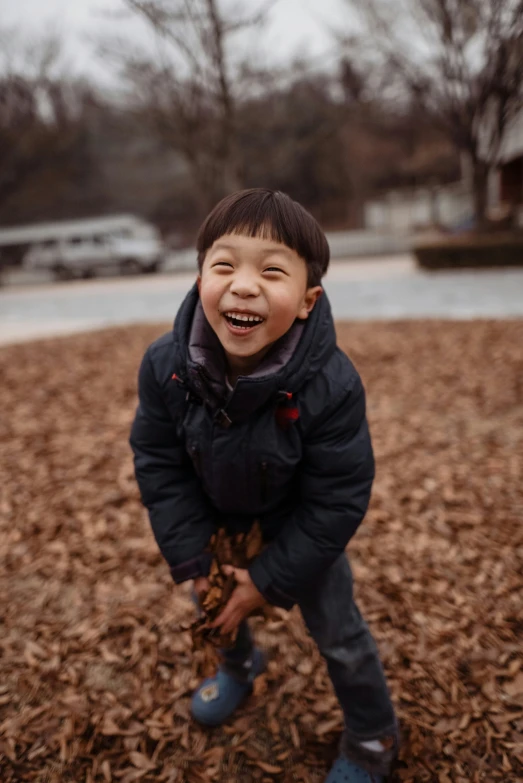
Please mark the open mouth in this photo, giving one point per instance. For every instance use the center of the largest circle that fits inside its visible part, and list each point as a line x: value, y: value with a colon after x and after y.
x: 245, y: 322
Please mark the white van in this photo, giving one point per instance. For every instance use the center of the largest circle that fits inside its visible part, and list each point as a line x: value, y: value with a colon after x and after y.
x: 81, y: 248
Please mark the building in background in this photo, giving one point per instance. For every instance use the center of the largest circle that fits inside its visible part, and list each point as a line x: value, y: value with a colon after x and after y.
x: 407, y: 210
x: 450, y: 206
x: 509, y: 176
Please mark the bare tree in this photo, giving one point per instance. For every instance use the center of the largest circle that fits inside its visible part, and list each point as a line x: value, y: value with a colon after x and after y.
x: 189, y: 91
x: 460, y: 60
x: 39, y: 112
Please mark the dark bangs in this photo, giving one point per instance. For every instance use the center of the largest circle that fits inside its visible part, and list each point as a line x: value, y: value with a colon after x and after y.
x: 268, y: 214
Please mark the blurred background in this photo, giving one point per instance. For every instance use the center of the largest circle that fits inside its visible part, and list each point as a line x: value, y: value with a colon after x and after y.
x: 399, y: 125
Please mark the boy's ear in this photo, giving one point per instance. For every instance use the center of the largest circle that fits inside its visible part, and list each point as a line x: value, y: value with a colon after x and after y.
x: 309, y: 300
x: 199, y: 282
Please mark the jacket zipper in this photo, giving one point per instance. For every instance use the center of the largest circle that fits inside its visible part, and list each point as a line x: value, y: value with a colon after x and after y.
x: 263, y: 482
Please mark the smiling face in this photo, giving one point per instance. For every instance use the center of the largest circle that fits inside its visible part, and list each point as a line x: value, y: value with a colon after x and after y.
x: 252, y: 290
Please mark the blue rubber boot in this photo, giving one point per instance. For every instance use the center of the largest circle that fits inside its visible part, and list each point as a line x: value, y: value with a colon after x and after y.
x: 219, y: 697
x: 345, y: 771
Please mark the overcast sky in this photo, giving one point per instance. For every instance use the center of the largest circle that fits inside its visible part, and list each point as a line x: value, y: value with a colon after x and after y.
x: 296, y: 27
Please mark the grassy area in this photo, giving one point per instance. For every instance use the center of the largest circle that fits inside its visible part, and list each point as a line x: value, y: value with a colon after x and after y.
x: 97, y: 668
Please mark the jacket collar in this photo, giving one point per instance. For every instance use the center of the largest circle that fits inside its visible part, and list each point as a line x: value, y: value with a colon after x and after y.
x: 200, y: 359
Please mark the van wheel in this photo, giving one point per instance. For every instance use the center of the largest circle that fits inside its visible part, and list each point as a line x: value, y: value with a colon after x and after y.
x: 130, y: 267
x: 62, y: 273
x: 154, y: 267
x: 88, y: 274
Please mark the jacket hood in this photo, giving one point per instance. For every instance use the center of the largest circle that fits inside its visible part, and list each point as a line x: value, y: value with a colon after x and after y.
x: 200, y: 360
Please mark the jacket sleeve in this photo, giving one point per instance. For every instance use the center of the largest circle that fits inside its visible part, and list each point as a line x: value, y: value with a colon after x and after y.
x: 337, y: 472
x: 179, y: 513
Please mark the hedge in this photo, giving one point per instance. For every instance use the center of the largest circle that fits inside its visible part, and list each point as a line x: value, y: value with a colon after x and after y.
x: 470, y: 250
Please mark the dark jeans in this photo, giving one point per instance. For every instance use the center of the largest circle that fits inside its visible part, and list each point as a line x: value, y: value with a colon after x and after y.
x: 345, y: 642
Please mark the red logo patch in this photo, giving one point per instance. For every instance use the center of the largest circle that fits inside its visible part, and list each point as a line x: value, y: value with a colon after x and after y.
x: 284, y: 416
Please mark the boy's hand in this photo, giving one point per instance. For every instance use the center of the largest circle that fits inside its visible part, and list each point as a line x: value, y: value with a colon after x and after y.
x: 201, y: 586
x: 245, y: 599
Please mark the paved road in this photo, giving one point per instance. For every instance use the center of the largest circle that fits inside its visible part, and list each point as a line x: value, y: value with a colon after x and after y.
x: 366, y: 289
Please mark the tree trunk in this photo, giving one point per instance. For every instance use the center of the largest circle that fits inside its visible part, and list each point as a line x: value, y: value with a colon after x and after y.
x: 480, y: 173
x: 228, y: 175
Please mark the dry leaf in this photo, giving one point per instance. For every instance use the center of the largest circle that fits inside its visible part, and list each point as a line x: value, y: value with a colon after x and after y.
x: 237, y: 550
x: 326, y: 726
x: 271, y: 769
x: 140, y: 760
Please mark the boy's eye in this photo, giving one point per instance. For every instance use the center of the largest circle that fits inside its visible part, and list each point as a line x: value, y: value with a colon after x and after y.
x: 274, y: 269
x: 223, y: 263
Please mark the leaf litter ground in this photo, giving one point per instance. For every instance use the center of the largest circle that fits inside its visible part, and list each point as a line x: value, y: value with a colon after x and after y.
x: 97, y: 667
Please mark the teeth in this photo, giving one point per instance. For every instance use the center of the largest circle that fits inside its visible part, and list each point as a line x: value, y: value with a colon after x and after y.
x: 244, y: 317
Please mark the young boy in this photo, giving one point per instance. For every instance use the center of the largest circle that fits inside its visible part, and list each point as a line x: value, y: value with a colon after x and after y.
x: 248, y: 410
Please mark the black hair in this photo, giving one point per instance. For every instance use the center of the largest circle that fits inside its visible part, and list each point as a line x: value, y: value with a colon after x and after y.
x: 270, y: 214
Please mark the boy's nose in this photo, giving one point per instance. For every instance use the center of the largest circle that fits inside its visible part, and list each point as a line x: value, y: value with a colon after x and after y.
x: 244, y: 285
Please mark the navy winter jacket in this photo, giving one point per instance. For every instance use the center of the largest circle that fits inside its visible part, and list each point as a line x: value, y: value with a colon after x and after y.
x: 290, y: 447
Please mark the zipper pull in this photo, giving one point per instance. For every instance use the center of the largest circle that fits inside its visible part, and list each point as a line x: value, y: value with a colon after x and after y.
x: 223, y: 419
